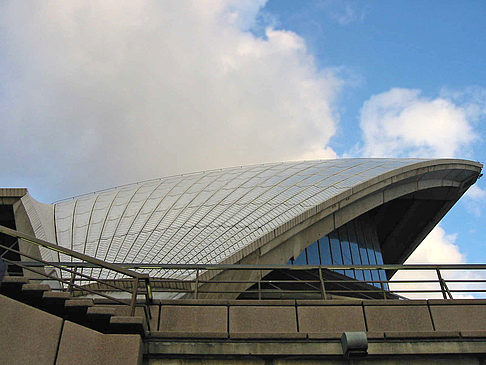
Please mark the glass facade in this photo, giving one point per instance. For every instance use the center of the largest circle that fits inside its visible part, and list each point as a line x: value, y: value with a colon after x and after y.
x: 355, y: 243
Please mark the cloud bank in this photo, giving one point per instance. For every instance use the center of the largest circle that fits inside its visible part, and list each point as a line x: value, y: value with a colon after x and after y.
x: 402, y: 123
x: 99, y: 93
x: 437, y: 248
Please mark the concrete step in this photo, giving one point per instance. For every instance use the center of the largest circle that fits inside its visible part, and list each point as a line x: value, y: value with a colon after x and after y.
x: 11, y: 286
x: 128, y: 325
x: 98, y: 317
x: 76, y: 309
x: 53, y: 302
x: 32, y: 293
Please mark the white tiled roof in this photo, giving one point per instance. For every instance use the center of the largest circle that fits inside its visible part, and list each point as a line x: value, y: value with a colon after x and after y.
x: 204, y: 217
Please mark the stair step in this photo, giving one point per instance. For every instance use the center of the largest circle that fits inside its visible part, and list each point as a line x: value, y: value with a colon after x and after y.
x: 98, y: 317
x: 32, y: 293
x: 14, y: 280
x: 35, y: 288
x: 56, y: 296
x: 11, y: 286
x: 53, y: 302
x: 128, y: 325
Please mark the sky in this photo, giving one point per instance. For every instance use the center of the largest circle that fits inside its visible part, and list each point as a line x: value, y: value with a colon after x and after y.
x: 97, y: 94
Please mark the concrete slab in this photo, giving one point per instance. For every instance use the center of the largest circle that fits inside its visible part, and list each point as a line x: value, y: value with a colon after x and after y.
x: 398, y: 318
x: 459, y: 317
x: 256, y: 319
x: 331, y: 318
x: 80, y: 345
x: 191, y: 319
x: 28, y: 335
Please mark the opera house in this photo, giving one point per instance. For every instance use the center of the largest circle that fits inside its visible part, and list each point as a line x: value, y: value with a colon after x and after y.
x: 281, y: 263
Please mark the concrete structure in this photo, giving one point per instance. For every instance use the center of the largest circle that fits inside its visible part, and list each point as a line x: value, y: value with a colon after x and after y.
x: 349, y: 212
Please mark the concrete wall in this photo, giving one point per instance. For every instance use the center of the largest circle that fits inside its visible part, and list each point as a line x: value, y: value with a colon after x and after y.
x: 319, y: 319
x: 32, y: 336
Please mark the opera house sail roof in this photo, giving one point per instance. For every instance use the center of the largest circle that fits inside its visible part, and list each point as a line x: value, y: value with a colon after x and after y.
x: 265, y: 213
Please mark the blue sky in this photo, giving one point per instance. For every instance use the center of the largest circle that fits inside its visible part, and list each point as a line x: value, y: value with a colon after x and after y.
x: 378, y: 45
x: 101, y: 94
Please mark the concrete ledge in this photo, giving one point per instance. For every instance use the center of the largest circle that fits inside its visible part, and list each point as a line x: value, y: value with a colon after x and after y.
x: 318, y: 302
x: 270, y: 302
x: 186, y: 319
x: 459, y: 317
x: 79, y: 303
x: 331, y: 318
x: 172, y: 334
x: 423, y: 334
x: 373, y: 335
x: 269, y: 335
x: 473, y: 334
x: 192, y: 302
x: 412, y: 318
x: 392, y: 302
x: 262, y: 319
x: 324, y: 335
x: 128, y: 325
x: 457, y: 301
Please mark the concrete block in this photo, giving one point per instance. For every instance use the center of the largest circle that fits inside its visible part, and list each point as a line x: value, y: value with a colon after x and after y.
x: 317, y: 302
x: 473, y: 334
x: 256, y: 319
x: 172, y: 334
x: 398, y: 318
x: 331, y: 318
x: 269, y: 335
x: 28, y: 335
x: 193, y: 319
x: 459, y: 317
x: 422, y: 334
x: 269, y: 302
x: 80, y: 345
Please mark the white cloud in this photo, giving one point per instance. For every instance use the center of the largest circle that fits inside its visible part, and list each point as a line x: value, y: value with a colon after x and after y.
x: 95, y: 94
x: 476, y: 193
x: 474, y: 200
x: 437, y: 248
x: 344, y: 12
x: 401, y: 122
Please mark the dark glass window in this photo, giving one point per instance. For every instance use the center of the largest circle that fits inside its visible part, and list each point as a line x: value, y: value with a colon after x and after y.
x: 355, y: 243
x: 336, y: 255
x: 325, y: 250
x: 313, y: 254
x: 346, y: 251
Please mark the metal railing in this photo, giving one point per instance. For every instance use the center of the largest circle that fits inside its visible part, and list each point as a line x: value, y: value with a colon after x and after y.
x: 450, y: 281
x: 59, y: 273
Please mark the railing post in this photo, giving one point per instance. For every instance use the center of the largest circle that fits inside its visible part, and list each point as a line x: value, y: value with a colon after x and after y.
x: 443, y: 285
x: 323, y: 287
x: 260, y: 286
x: 71, y: 281
x: 134, y: 297
x: 196, y: 284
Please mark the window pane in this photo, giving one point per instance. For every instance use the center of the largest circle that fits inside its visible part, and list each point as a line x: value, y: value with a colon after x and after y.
x: 313, y: 254
x: 343, y: 237
x: 353, y: 244
x: 325, y: 251
x: 336, y: 250
x: 301, y: 259
x: 362, y: 250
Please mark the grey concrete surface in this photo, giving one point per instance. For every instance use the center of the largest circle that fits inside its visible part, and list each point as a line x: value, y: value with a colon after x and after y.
x: 27, y: 335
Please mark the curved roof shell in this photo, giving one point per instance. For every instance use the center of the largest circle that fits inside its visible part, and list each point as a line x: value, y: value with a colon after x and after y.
x: 219, y: 216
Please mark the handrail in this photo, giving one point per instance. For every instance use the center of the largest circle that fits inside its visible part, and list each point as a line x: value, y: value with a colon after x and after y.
x: 197, y: 285
x: 68, y: 252
x: 94, y: 262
